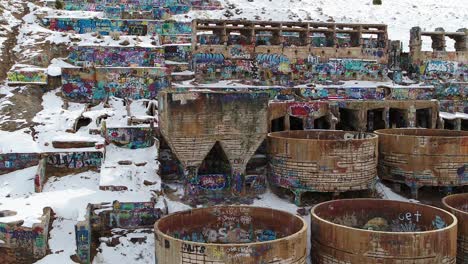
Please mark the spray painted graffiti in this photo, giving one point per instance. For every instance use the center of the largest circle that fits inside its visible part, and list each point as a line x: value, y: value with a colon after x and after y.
x: 132, y: 215
x: 117, y: 56
x: 131, y: 137
x: 213, y: 182
x: 27, y: 76
x: 96, y: 84
x: 438, y: 69
x: 124, y: 27
x: 40, y: 178
x: 103, y: 217
x: 17, y: 161
x: 29, y: 242
x: 178, y: 53
x: 156, y: 9
x: 75, y: 160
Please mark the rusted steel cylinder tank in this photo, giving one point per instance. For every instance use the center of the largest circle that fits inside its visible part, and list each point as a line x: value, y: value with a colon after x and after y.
x: 231, y: 235
x: 381, y: 231
x: 322, y: 161
x: 457, y: 204
x: 423, y: 157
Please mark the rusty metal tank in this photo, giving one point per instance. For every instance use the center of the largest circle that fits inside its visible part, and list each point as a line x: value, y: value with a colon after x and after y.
x: 457, y: 204
x: 322, y: 161
x: 381, y: 231
x: 231, y: 235
x: 423, y: 157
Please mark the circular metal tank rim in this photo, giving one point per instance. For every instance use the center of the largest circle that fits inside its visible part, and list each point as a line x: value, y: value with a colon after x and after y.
x: 303, y: 228
x: 444, y: 202
x: 400, y: 132
x: 278, y: 135
x: 454, y: 223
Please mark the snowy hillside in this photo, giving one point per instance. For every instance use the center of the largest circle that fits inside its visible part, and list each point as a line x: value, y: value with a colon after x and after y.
x: 399, y: 15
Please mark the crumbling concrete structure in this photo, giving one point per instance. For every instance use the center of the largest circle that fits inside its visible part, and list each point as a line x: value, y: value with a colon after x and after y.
x: 288, y: 53
x: 457, y: 204
x: 23, y: 245
x: 322, y: 161
x: 64, y: 163
x: 423, y: 157
x: 215, y: 135
x: 101, y: 218
x: 231, y: 234
x: 352, y: 115
x: 381, y: 231
x: 418, y: 56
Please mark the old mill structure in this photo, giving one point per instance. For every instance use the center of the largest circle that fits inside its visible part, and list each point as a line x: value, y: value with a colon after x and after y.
x: 457, y: 204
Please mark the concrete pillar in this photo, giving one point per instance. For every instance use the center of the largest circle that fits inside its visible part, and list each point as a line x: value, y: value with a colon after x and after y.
x: 191, y: 181
x: 386, y: 117
x: 238, y: 180
x: 362, y: 121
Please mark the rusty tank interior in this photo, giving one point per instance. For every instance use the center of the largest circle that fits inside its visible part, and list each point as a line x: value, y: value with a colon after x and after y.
x: 231, y: 234
x: 457, y: 204
x: 381, y: 231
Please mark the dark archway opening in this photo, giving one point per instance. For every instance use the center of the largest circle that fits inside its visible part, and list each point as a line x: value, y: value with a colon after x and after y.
x: 216, y: 162
x: 464, y: 124
x: 82, y: 122
x: 449, y: 124
x: 322, y: 123
x: 255, y: 174
x: 296, y: 123
x: 398, y: 118
x: 277, y: 124
x: 375, y: 119
x: 348, y: 120
x: 423, y: 118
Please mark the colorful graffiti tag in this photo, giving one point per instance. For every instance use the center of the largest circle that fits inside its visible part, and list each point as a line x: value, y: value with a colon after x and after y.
x: 158, y: 9
x: 124, y: 27
x: 445, y: 70
x: 131, y: 137
x: 213, y: 182
x: 75, y: 160
x: 97, y: 84
x: 117, y: 56
x: 342, y: 93
x: 27, y: 76
x: 17, y: 161
x: 278, y: 69
x: 30, y: 242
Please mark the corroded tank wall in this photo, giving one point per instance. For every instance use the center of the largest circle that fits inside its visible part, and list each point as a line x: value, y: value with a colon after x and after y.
x: 231, y: 235
x: 423, y: 157
x: 323, y: 161
x: 381, y: 231
x: 457, y: 204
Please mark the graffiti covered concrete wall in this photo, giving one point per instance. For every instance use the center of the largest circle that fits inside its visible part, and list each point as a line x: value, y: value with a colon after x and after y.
x: 155, y: 9
x: 117, y: 56
x: 124, y: 27
x: 34, y: 76
x: 97, y: 84
x: 78, y: 84
x: 16, y: 161
x: 22, y: 244
x: 130, y: 137
x: 278, y: 69
x: 101, y: 218
x: 440, y: 69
